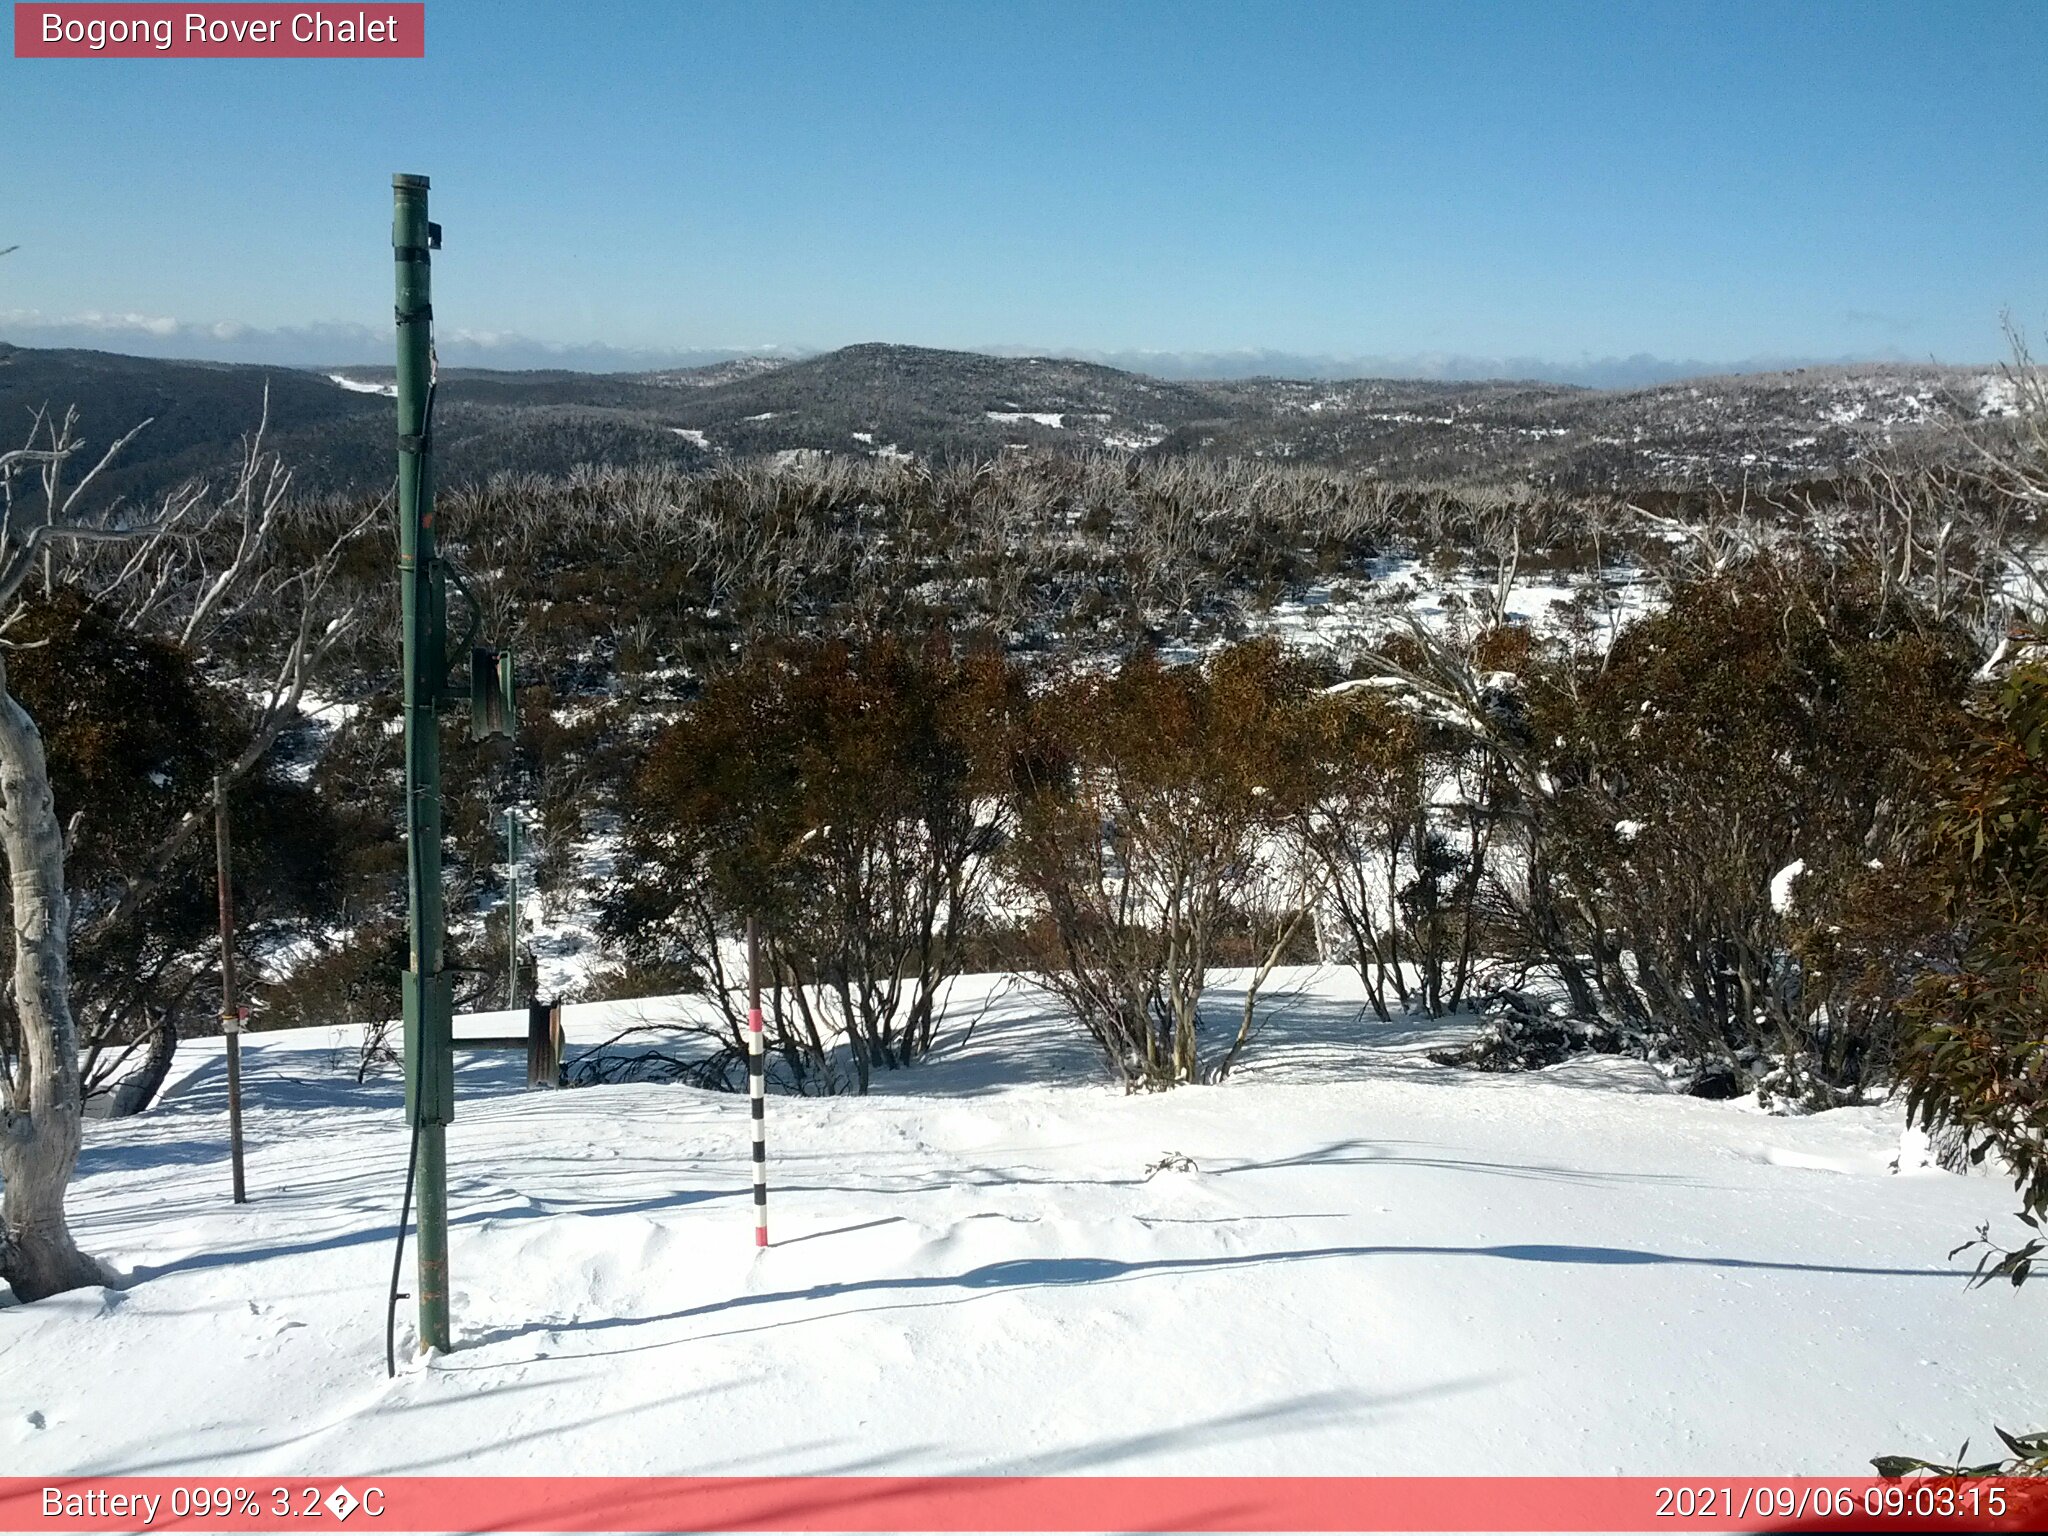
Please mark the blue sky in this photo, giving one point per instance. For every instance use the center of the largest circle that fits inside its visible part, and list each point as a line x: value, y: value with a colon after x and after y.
x: 1555, y: 182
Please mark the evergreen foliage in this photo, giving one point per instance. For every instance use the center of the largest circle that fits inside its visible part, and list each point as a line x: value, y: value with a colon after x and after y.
x: 1979, y: 1061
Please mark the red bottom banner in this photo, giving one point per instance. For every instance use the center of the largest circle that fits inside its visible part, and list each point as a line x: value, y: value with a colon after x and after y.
x: 1061, y: 1504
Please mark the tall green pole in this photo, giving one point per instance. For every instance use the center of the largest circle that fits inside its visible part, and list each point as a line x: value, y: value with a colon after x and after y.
x: 429, y: 1011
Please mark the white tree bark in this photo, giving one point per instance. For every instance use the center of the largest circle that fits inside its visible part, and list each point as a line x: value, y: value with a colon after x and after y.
x: 40, y: 1117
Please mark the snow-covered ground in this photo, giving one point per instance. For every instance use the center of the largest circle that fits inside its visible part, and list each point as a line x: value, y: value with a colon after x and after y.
x: 1374, y: 1265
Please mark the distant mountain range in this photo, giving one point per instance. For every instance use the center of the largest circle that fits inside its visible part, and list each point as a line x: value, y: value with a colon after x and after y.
x: 332, y: 343
x: 336, y: 425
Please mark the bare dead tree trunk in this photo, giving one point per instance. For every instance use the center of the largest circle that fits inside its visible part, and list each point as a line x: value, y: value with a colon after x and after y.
x: 40, y: 1127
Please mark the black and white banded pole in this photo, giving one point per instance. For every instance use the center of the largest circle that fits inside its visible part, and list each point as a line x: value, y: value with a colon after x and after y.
x: 757, y: 1081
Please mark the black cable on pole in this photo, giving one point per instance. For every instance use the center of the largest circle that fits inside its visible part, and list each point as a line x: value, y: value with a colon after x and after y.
x: 412, y: 1161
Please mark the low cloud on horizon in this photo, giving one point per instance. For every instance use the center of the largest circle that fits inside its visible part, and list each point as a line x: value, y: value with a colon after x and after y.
x: 337, y: 345
x: 341, y: 345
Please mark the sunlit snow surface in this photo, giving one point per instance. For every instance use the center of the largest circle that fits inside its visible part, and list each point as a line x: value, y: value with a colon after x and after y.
x: 1342, y: 618
x: 361, y: 387
x: 1376, y: 1265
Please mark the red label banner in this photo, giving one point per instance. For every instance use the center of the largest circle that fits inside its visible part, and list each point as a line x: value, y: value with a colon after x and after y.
x: 359, y: 31
x: 1053, y: 1504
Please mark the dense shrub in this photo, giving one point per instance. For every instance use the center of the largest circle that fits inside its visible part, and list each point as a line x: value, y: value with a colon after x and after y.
x: 1152, y: 807
x: 842, y: 796
x: 1692, y: 822
x: 1978, y: 1063
x: 134, y: 734
x: 1711, y: 797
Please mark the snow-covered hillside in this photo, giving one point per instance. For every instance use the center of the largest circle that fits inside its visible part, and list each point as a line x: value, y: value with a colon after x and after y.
x: 1369, y: 1264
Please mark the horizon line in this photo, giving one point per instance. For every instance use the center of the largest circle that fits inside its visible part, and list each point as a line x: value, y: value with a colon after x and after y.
x: 291, y: 347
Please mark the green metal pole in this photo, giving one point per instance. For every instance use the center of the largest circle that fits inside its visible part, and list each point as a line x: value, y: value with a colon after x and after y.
x: 429, y: 1013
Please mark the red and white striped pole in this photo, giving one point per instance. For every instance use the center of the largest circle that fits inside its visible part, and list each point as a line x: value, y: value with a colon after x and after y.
x: 757, y: 1082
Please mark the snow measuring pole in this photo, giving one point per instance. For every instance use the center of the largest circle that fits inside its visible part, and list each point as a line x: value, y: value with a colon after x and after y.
x: 428, y: 989
x: 757, y: 1082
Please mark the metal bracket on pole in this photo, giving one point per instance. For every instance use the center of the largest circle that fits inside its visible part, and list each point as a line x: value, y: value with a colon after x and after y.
x: 492, y: 708
x: 452, y: 574
x: 429, y: 1009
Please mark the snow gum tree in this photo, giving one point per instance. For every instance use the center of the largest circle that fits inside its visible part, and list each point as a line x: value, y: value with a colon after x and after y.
x: 1154, y: 807
x: 1358, y: 826
x: 1755, y: 722
x: 1978, y: 1062
x: 204, y: 573
x: 134, y: 731
x: 1701, y: 825
x: 848, y: 796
